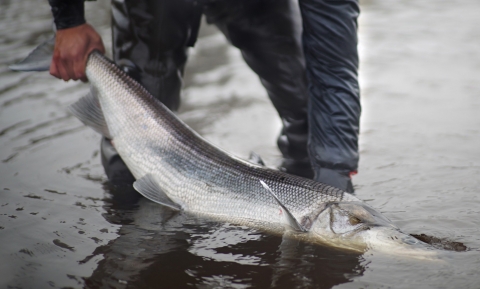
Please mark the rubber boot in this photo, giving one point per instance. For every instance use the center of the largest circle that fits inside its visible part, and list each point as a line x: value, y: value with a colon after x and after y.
x: 115, y: 169
x: 335, y: 178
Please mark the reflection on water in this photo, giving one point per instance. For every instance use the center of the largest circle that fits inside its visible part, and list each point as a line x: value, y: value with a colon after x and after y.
x: 159, y: 246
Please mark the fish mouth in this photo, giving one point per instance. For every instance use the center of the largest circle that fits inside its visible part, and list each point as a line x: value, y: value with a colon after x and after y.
x: 396, y: 236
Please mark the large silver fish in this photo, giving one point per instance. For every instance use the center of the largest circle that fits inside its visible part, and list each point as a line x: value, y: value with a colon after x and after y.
x: 177, y: 168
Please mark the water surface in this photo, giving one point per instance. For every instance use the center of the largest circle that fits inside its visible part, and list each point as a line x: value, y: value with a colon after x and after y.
x: 63, y: 225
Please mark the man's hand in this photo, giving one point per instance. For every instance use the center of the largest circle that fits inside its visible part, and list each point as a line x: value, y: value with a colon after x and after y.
x: 72, y: 47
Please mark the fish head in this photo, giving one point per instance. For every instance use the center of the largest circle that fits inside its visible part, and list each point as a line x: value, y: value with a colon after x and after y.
x: 344, y: 220
x: 355, y: 225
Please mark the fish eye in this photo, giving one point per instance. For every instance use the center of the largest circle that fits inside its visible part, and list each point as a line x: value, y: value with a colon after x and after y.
x: 354, y: 220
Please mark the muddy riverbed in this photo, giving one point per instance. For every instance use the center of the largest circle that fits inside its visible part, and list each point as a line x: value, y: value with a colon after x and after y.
x: 63, y: 225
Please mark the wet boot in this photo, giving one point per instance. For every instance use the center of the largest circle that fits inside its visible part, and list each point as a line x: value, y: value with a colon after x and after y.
x: 335, y: 178
x: 115, y: 169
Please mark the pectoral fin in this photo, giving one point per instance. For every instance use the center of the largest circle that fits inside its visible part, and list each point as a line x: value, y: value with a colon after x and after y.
x: 148, y: 187
x: 292, y: 222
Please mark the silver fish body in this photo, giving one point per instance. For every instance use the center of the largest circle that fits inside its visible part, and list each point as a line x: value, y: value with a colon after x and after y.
x: 193, y: 173
x: 176, y: 167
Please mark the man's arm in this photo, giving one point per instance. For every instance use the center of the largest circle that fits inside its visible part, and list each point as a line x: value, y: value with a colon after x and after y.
x: 74, y: 41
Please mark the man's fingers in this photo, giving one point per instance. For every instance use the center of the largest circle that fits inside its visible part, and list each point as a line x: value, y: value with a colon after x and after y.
x: 59, y: 67
x: 79, y: 70
x: 71, y: 65
x: 67, y: 68
x: 54, y: 70
x: 63, y: 72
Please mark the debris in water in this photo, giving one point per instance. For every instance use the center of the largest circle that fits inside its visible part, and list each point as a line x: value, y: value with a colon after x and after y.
x: 55, y: 192
x: 441, y: 243
x: 63, y: 245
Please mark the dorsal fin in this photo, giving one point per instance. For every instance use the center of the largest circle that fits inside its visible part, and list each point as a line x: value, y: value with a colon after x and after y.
x: 290, y: 218
x: 256, y: 159
x: 148, y: 187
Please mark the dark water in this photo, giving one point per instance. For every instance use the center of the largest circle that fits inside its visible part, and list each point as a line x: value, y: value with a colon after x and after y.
x: 62, y: 225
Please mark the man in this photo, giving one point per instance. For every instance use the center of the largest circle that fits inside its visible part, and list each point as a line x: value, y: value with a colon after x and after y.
x: 319, y: 137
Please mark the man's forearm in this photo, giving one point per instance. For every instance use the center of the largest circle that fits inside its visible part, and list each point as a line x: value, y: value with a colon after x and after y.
x: 67, y: 13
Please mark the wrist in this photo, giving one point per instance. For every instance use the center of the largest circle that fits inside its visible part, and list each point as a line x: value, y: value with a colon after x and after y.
x: 67, y: 14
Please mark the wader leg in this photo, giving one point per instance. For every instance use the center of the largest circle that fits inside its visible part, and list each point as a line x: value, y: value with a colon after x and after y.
x: 151, y: 38
x: 150, y: 41
x: 268, y: 35
x: 330, y: 45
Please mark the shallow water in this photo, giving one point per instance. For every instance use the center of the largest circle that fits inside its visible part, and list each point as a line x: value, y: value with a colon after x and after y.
x: 62, y: 224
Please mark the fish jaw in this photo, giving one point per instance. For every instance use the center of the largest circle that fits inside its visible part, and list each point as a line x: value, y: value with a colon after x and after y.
x: 385, y: 240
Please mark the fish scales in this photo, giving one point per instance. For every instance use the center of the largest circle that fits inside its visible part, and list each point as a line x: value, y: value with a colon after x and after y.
x: 193, y: 173
x: 175, y: 167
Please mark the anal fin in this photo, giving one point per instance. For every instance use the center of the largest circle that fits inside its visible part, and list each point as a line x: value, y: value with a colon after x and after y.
x: 148, y: 187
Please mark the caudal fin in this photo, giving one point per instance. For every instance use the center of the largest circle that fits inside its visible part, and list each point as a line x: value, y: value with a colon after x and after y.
x: 38, y: 60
